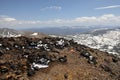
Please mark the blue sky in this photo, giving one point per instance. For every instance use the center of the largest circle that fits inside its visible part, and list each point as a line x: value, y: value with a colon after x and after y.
x: 42, y: 13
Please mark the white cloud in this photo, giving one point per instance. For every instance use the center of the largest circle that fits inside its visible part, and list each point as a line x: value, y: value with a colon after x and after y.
x: 104, y: 20
x: 7, y: 19
x: 109, y: 7
x: 51, y: 8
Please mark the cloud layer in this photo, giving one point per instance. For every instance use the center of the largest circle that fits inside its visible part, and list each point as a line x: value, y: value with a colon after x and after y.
x: 109, y: 7
x: 51, y: 8
x: 104, y: 20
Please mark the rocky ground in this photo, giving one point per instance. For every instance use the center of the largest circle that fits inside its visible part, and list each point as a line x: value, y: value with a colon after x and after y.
x: 48, y: 58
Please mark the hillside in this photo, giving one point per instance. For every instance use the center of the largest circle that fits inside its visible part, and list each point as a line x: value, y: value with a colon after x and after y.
x: 6, y: 32
x: 105, y: 40
x: 23, y: 58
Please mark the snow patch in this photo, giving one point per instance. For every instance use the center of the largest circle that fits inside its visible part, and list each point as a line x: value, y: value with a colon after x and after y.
x: 60, y: 42
x: 34, y: 34
x: 34, y: 65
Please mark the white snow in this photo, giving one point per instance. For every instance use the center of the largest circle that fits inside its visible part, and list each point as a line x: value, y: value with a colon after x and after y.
x: 110, y: 47
x: 11, y: 35
x: 0, y: 44
x: 7, y: 48
x: 60, y: 42
x: 39, y: 65
x: 90, y: 57
x: 23, y: 47
x: 34, y: 34
x: 40, y: 44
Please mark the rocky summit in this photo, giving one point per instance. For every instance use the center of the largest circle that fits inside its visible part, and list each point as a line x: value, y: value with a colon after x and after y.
x: 53, y: 58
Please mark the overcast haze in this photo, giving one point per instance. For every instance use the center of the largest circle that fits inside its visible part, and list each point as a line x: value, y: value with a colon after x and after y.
x: 56, y: 13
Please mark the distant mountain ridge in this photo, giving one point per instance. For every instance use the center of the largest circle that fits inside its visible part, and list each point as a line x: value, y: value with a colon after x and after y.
x: 6, y: 32
x: 61, y: 30
x: 67, y: 30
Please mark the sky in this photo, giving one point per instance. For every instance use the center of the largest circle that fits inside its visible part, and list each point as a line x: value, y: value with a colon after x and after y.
x: 56, y: 13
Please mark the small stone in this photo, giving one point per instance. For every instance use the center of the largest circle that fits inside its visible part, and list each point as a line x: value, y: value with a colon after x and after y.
x: 66, y: 76
x: 105, y: 68
x: 30, y: 72
x: 85, y: 54
x: 3, y: 69
x: 13, y: 66
x: 114, y: 60
x: 18, y: 72
x: 92, y: 60
x: 63, y: 59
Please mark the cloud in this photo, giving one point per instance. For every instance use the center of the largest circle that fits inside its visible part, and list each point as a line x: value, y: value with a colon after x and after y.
x: 104, y: 20
x: 109, y: 7
x: 51, y: 8
x: 5, y: 18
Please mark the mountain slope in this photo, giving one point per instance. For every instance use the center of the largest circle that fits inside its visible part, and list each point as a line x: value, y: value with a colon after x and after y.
x: 24, y: 58
x: 5, y: 32
x: 105, y: 40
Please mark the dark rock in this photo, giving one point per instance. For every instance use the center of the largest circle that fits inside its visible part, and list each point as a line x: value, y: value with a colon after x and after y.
x: 2, y: 79
x: 106, y: 68
x: 3, y: 69
x: 30, y: 72
x: 63, y: 59
x: 85, y: 54
x: 17, y: 46
x: 43, y: 60
x: 107, y: 60
x: 18, y: 72
x: 13, y: 66
x: 1, y: 53
x: 32, y: 44
x: 115, y: 60
x: 66, y: 76
x: 92, y: 60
